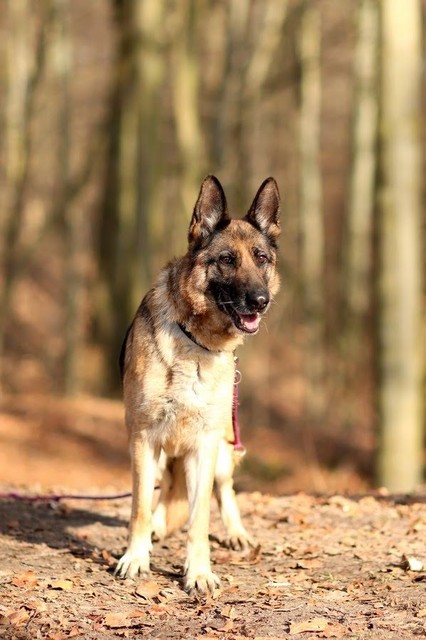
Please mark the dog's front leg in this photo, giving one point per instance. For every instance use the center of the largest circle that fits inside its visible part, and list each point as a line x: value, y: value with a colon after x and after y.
x: 237, y: 536
x: 144, y: 458
x: 199, y: 468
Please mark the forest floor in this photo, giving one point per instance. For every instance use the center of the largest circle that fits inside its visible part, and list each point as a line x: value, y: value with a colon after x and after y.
x: 339, y: 563
x: 325, y: 567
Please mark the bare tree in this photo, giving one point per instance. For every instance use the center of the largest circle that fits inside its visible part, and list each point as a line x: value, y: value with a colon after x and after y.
x: 131, y: 221
x: 228, y: 148
x: 356, y: 344
x: 25, y: 71
x: 400, y: 286
x: 311, y: 218
x: 358, y: 255
x: 186, y: 70
x: 73, y: 225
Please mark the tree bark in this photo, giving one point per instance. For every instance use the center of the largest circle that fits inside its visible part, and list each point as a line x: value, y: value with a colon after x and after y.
x: 186, y: 106
x: 72, y: 222
x: 24, y: 77
x: 400, y: 286
x: 311, y: 219
x: 131, y: 222
x: 364, y: 163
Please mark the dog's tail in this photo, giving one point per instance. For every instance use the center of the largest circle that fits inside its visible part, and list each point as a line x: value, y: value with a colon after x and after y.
x: 172, y: 510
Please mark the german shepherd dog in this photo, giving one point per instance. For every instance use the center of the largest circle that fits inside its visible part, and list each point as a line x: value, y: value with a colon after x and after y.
x: 177, y: 366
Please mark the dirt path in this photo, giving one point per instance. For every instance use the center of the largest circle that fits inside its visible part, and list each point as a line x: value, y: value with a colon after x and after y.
x: 326, y: 567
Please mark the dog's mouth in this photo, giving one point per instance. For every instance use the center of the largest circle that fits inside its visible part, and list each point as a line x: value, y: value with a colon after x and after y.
x: 246, y: 322
x: 244, y: 317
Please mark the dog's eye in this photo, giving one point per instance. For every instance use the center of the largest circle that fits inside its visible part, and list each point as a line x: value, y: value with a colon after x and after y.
x: 261, y: 258
x: 226, y: 259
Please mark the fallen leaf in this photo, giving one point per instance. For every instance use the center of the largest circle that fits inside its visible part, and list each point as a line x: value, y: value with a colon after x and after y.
x: 220, y: 625
x: 278, y: 584
x: 137, y: 613
x: 148, y: 589
x: 75, y: 631
x: 4, y: 619
x: 252, y: 558
x: 62, y: 584
x: 116, y: 620
x: 316, y: 624
x: 228, y: 626
x: 307, y: 564
x: 348, y: 541
x: 168, y: 594
x: 18, y: 617
x: 334, y: 594
x: 108, y: 558
x: 36, y: 605
x: 332, y: 550
x: 421, y: 613
x: 224, y: 557
x: 57, y: 635
x: 410, y: 563
x: 254, y: 554
x: 229, y: 612
x: 217, y: 594
x: 348, y: 505
x: 419, y: 525
x: 160, y: 609
x: 323, y: 627
x: 25, y: 579
x: 334, y: 630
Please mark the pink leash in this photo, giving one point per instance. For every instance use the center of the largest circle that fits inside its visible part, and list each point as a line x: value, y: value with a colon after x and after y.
x: 238, y: 445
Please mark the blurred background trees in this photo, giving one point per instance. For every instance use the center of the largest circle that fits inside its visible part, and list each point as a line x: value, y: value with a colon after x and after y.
x: 112, y: 112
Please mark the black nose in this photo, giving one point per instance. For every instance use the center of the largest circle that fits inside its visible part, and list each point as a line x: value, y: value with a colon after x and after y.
x: 257, y: 300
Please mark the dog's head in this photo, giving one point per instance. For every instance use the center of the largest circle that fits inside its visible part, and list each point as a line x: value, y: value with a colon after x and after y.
x: 238, y: 256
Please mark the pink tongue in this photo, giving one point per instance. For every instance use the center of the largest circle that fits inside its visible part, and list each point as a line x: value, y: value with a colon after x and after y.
x: 250, y: 322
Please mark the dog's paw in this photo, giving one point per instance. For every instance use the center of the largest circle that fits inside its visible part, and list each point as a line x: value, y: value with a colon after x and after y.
x: 132, y: 565
x: 238, y: 540
x: 202, y: 583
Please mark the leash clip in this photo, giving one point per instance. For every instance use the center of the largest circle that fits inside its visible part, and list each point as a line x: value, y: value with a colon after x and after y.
x: 237, y: 374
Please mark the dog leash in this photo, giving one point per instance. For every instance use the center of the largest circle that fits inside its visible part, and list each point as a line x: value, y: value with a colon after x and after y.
x: 13, y: 495
x: 238, y: 445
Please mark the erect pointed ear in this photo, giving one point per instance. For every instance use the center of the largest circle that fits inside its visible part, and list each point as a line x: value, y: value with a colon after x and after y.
x: 264, y: 212
x: 210, y: 211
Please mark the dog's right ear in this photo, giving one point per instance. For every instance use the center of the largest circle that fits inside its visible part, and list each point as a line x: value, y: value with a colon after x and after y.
x: 264, y: 213
x: 210, y: 211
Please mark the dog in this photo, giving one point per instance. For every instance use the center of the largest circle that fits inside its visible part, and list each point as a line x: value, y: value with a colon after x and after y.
x: 177, y: 364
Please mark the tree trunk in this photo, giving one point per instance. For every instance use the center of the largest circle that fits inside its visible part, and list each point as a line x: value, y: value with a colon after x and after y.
x: 73, y: 225
x: 229, y: 154
x: 363, y: 174
x: 357, y: 256
x: 311, y: 219
x: 400, y: 287
x: 24, y: 76
x: 132, y: 217
x: 186, y: 108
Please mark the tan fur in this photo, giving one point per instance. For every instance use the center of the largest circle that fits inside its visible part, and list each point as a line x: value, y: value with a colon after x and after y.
x: 178, y: 372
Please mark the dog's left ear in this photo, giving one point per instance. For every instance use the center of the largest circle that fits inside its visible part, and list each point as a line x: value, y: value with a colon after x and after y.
x: 264, y: 213
x: 210, y: 211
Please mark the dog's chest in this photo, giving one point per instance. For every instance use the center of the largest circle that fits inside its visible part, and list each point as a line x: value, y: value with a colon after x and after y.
x: 197, y: 397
